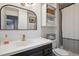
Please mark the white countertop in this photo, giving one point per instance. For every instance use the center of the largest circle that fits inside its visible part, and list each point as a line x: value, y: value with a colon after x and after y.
x: 15, y: 47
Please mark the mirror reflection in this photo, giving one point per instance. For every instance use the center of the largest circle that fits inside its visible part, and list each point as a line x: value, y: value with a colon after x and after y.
x: 14, y: 18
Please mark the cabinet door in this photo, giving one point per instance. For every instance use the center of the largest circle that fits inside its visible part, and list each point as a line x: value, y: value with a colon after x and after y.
x: 47, y: 51
x: 39, y: 53
x: 34, y: 52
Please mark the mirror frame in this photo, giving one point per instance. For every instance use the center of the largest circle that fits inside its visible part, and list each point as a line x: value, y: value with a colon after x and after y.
x: 19, y: 8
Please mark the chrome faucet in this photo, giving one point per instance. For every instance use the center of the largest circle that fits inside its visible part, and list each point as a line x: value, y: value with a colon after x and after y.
x: 23, y: 37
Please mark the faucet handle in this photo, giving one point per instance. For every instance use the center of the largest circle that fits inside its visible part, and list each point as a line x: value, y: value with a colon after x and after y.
x: 23, y: 34
x: 6, y: 35
x: 23, y: 37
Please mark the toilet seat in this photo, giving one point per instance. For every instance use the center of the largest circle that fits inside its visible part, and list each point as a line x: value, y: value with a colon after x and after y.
x: 60, y: 52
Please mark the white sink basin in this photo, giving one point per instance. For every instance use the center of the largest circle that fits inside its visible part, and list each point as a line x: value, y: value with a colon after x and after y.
x: 23, y: 43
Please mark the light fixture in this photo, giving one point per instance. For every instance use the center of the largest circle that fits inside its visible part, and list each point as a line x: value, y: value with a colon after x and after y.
x: 25, y: 4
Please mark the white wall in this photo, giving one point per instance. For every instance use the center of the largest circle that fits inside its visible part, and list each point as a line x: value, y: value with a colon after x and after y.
x: 17, y: 34
x: 70, y: 21
x: 43, y: 15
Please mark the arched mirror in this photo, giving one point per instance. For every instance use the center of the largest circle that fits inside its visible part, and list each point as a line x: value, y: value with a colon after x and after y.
x: 17, y: 18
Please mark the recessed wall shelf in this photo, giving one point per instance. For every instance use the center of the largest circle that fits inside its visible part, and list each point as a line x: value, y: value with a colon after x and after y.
x: 48, y: 15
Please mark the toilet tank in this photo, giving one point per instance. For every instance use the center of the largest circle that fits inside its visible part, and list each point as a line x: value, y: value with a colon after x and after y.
x: 53, y: 38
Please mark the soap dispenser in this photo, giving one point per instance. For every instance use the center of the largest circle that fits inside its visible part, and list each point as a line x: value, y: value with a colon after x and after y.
x: 5, y: 40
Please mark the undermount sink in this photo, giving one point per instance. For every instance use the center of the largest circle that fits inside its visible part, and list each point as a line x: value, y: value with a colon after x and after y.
x: 23, y: 43
x: 19, y: 43
x: 27, y: 42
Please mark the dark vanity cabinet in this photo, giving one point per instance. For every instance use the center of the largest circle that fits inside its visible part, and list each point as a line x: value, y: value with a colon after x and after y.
x: 45, y: 50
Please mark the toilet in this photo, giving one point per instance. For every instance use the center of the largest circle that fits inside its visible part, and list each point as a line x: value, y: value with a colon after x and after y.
x: 56, y: 51
x: 60, y: 52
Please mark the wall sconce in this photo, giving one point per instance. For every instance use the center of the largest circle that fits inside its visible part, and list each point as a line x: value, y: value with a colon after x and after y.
x: 24, y: 4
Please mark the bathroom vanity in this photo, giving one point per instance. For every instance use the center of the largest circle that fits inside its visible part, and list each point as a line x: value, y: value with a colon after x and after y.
x: 45, y: 50
x: 30, y: 47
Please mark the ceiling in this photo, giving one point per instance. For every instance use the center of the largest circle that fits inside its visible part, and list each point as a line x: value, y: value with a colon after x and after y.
x: 63, y: 5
